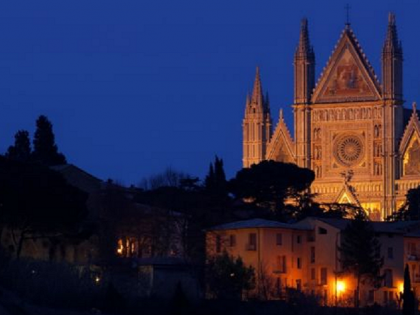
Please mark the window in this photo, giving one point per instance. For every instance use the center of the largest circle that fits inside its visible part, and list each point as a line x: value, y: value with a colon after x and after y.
x: 312, y: 254
x: 323, y: 276
x: 232, y: 240
x: 252, y: 241
x: 390, y: 253
x: 388, y: 278
x: 412, y: 249
x: 313, y: 274
x: 299, y: 263
x: 322, y: 230
x: 299, y: 285
x: 218, y: 244
x: 281, y: 264
x: 279, y: 239
x: 298, y: 239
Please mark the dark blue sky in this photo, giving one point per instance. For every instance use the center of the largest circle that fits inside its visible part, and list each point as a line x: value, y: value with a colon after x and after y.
x: 133, y: 86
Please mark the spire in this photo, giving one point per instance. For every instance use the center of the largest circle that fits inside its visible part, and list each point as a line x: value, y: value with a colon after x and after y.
x: 304, y: 48
x: 304, y: 64
x: 392, y: 44
x: 392, y: 63
x: 414, y: 107
x: 257, y: 94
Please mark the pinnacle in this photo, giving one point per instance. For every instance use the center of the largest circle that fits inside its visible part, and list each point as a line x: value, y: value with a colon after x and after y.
x: 392, y: 43
x: 304, y: 47
x: 257, y: 96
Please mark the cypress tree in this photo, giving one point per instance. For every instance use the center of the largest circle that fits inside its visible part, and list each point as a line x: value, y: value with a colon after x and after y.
x: 45, y: 150
x: 408, y: 295
x: 210, y: 178
x: 21, y: 150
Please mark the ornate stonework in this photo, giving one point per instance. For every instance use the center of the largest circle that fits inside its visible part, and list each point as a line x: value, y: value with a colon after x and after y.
x: 347, y: 122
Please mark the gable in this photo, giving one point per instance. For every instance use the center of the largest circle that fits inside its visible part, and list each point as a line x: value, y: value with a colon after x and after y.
x: 348, y: 75
x: 281, y: 146
x: 346, y: 196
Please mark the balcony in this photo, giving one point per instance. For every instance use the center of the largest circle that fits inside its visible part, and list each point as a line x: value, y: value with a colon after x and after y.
x: 412, y: 257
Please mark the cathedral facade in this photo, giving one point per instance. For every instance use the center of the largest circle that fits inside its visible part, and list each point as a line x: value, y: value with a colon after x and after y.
x: 350, y: 128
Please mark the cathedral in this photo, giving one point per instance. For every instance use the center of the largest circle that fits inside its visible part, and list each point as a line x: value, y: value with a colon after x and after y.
x: 350, y: 128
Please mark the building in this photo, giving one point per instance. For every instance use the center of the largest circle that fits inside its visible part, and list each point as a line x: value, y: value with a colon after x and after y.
x: 304, y: 256
x: 350, y: 128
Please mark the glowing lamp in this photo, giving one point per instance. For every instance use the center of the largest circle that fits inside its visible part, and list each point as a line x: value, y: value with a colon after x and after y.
x: 341, y: 286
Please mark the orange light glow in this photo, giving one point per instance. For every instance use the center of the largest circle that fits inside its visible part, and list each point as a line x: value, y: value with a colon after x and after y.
x: 401, y: 287
x: 341, y: 286
x: 120, y: 247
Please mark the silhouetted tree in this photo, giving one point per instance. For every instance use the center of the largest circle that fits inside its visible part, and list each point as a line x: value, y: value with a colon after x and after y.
x: 408, y: 294
x: 210, y: 178
x: 269, y: 183
x: 21, y: 150
x: 361, y: 252
x: 228, y: 277
x: 215, y: 182
x: 37, y: 202
x: 45, y: 149
x: 410, y: 210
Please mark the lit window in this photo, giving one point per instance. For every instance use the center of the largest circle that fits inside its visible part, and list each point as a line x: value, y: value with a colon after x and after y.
x: 279, y: 239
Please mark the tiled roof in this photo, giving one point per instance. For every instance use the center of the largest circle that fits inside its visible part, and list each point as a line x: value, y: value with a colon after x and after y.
x: 399, y: 227
x: 257, y: 223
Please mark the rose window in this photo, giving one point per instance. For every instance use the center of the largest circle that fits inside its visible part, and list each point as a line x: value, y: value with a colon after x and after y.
x: 348, y: 149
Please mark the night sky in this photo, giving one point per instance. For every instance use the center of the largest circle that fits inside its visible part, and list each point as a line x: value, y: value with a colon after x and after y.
x: 133, y: 86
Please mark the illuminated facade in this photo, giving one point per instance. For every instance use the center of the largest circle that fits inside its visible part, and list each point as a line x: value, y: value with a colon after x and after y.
x: 349, y: 128
x: 304, y: 256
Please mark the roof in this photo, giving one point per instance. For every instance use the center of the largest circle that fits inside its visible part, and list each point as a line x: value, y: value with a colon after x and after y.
x: 398, y: 227
x: 257, y: 223
x: 79, y: 178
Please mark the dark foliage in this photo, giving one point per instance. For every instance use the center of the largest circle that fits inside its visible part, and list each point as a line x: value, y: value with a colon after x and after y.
x: 215, y: 182
x: 361, y: 252
x: 180, y: 302
x: 408, y: 294
x: 37, y: 202
x: 410, y: 209
x: 21, y: 150
x: 228, y: 277
x: 269, y: 183
x: 45, y: 150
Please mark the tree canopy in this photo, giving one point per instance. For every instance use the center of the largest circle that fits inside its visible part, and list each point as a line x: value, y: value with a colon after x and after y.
x: 21, y: 150
x: 45, y: 149
x: 37, y: 202
x: 269, y: 183
x: 228, y: 277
